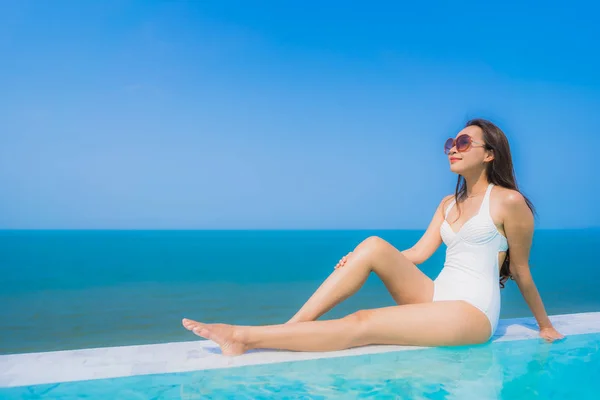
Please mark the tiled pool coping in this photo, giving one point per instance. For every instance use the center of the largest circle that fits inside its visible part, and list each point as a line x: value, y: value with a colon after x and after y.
x: 113, y: 362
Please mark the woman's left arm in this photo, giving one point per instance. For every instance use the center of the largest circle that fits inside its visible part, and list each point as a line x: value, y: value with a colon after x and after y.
x: 518, y: 227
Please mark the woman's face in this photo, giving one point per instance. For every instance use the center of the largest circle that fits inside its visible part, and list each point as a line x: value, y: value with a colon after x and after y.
x: 467, y: 151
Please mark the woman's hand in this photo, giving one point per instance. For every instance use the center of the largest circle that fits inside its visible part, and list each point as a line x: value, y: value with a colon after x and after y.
x: 342, y: 261
x: 549, y: 334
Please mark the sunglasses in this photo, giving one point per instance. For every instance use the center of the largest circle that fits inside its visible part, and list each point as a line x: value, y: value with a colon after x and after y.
x: 462, y: 143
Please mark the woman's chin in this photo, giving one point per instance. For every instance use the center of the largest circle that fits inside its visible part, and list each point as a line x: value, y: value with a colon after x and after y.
x: 455, y: 169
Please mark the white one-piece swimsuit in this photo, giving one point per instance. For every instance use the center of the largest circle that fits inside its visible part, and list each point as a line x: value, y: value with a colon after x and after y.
x: 471, y: 271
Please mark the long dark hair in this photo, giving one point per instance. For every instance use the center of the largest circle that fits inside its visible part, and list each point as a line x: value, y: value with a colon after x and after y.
x: 500, y: 171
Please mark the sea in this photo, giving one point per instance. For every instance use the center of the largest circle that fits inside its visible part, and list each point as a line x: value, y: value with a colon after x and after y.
x: 71, y: 289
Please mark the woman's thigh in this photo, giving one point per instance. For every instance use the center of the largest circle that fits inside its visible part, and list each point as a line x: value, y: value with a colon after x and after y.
x: 443, y: 323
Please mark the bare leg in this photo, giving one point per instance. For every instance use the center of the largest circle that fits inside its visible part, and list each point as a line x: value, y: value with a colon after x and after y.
x: 405, y: 281
x: 445, y: 323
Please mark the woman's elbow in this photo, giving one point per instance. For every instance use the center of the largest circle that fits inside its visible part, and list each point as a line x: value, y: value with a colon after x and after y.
x: 414, y: 256
x: 520, y: 272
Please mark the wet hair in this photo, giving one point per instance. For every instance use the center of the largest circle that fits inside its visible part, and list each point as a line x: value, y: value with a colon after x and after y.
x: 499, y: 171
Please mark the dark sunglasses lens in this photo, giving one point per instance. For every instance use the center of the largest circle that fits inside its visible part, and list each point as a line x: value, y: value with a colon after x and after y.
x: 463, y: 143
x: 448, y: 145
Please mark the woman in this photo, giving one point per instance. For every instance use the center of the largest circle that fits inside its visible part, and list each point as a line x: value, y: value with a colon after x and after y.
x: 461, y: 306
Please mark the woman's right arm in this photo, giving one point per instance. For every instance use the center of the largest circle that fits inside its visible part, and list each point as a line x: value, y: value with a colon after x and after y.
x: 431, y: 239
x: 427, y: 244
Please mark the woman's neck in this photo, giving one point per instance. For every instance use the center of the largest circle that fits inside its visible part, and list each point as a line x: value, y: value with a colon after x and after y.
x: 475, y: 185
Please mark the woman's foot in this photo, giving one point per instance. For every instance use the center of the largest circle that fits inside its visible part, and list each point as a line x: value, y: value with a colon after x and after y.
x: 222, y: 334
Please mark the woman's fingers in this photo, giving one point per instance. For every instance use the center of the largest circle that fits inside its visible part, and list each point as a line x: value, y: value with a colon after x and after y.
x: 342, y: 261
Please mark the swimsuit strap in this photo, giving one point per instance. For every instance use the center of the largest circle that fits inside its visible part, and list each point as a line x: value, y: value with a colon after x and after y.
x: 485, y: 204
x: 449, y: 207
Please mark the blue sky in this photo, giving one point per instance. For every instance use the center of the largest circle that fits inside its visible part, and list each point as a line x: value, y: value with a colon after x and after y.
x: 268, y: 114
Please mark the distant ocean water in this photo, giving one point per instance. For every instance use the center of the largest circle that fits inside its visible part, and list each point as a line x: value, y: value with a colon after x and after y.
x: 78, y: 289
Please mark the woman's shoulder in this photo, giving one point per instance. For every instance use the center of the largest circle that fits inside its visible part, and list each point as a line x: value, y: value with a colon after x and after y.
x: 508, y: 197
x: 446, y: 200
x: 509, y: 202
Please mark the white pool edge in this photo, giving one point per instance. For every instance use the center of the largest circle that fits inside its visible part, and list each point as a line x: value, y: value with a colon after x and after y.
x: 122, y: 361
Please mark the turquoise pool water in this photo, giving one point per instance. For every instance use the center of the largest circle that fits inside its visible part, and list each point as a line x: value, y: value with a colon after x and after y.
x: 525, y: 369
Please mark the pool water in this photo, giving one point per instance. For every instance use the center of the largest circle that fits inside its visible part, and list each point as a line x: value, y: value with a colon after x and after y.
x: 523, y: 369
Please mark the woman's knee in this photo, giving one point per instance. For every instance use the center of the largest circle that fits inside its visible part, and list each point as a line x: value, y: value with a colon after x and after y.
x: 358, y: 324
x: 374, y: 243
x: 376, y: 247
x: 361, y: 317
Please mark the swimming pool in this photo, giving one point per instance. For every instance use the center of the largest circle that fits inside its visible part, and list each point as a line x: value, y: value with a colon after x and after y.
x: 515, y: 365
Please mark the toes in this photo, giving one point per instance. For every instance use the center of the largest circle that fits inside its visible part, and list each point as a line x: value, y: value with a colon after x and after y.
x: 198, y: 328
x: 190, y: 324
x: 202, y: 332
